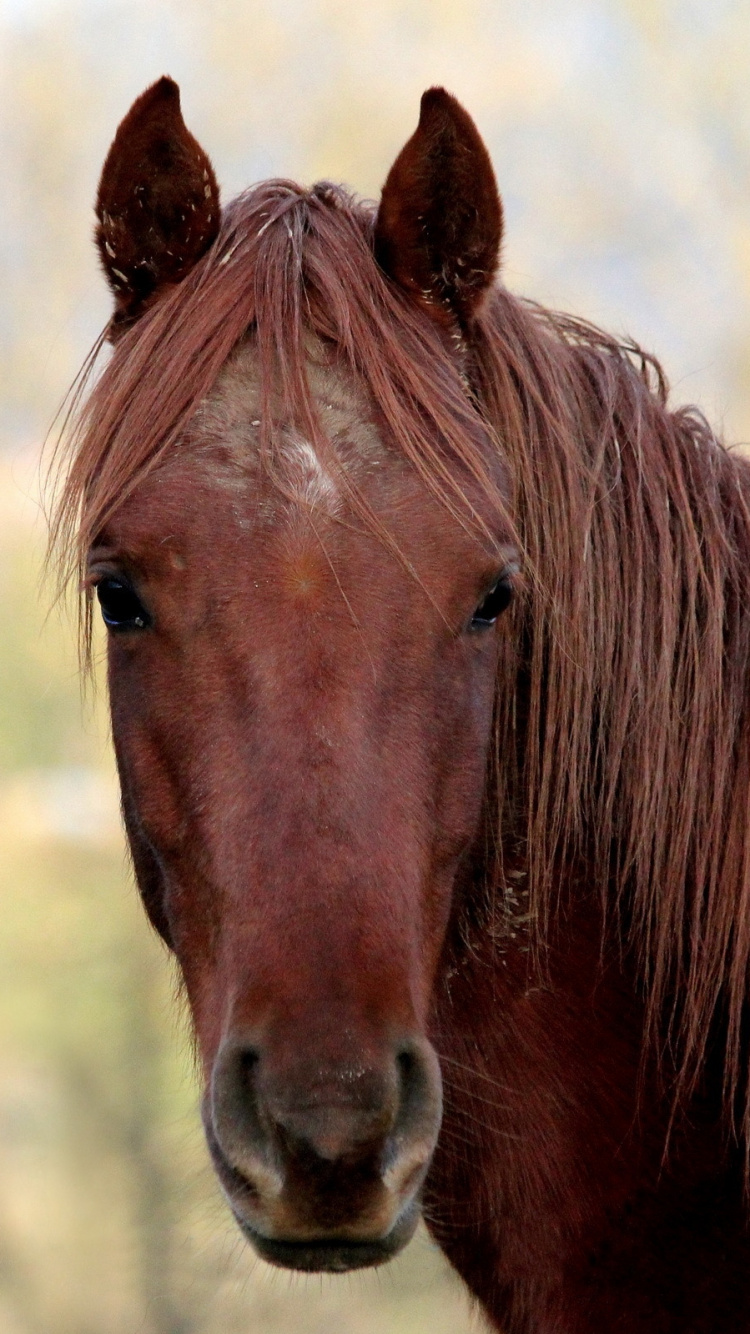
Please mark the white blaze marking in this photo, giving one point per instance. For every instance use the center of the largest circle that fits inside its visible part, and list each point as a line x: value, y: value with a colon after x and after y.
x: 313, y: 483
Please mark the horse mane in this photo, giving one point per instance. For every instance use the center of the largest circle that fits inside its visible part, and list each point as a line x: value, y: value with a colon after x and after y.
x: 630, y: 643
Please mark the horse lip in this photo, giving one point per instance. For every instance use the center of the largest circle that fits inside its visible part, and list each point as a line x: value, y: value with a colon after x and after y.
x: 332, y: 1255
x: 236, y: 1185
x: 325, y: 1254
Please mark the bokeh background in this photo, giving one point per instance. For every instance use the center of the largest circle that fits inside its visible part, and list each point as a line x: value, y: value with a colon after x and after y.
x: 620, y: 130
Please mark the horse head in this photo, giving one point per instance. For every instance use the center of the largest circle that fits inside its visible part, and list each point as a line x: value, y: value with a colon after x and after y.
x: 303, y: 592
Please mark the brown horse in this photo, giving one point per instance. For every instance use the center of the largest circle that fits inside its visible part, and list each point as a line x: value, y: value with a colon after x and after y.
x: 429, y: 641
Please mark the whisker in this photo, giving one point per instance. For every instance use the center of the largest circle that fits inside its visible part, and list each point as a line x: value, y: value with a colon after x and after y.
x: 474, y: 1072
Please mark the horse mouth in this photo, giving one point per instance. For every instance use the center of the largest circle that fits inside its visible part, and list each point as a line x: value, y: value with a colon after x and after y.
x: 332, y: 1254
x: 335, y: 1255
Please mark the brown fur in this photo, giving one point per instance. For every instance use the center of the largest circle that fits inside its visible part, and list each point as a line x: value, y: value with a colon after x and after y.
x: 158, y: 202
x: 440, y: 219
x: 620, y: 774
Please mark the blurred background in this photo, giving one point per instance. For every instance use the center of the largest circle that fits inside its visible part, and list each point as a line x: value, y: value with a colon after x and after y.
x: 620, y: 130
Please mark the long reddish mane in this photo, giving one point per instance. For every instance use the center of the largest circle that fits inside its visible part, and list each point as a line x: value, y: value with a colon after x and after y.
x: 622, y: 730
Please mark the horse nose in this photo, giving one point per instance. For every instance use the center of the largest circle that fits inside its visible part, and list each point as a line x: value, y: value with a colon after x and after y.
x: 319, y: 1147
x: 347, y: 1118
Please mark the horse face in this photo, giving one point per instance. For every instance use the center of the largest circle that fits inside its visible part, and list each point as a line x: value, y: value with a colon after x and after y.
x: 302, y: 692
x: 301, y: 712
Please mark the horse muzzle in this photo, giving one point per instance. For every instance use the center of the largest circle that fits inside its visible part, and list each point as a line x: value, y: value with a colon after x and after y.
x: 322, y: 1163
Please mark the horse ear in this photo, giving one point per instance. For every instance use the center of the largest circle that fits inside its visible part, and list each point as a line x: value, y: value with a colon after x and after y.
x: 158, y: 202
x: 440, y: 220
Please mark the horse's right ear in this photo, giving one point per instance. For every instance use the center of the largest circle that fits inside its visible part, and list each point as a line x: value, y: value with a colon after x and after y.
x: 158, y: 202
x: 440, y: 220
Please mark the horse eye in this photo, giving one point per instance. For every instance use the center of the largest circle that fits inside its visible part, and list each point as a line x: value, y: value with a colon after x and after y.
x: 121, y: 609
x: 494, y: 603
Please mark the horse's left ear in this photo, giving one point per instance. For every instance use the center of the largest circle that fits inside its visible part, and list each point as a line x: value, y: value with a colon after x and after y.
x: 440, y: 219
x: 158, y: 202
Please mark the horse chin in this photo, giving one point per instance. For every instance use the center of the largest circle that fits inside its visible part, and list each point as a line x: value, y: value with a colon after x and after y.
x: 335, y: 1255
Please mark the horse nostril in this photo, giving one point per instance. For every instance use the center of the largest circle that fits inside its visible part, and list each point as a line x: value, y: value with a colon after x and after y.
x: 420, y: 1100
x: 416, y: 1127
x: 234, y: 1078
x: 235, y: 1108
x: 247, y: 1062
x: 406, y: 1062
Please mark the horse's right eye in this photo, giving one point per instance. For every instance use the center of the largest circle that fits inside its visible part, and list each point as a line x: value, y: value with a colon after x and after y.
x: 495, y: 601
x: 121, y: 608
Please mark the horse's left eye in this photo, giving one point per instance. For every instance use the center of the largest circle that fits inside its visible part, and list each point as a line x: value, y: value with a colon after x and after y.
x: 121, y: 608
x: 494, y: 603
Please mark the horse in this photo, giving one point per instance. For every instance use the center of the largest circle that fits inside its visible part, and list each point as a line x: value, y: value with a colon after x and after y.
x: 428, y: 628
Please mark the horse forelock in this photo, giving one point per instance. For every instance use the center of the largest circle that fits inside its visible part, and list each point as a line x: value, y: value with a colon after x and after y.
x: 631, y: 760
x: 287, y: 265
